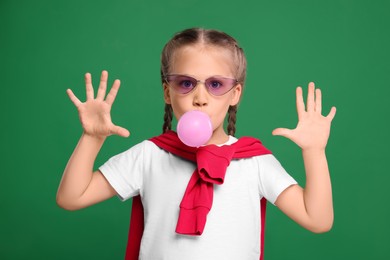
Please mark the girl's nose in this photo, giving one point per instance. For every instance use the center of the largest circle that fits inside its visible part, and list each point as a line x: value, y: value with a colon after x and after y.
x: 200, y: 95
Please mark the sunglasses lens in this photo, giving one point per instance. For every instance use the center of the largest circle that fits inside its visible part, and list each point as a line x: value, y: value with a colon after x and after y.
x: 219, y: 86
x: 182, y: 84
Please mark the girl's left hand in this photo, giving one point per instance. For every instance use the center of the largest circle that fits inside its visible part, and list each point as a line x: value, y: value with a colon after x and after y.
x: 313, y: 129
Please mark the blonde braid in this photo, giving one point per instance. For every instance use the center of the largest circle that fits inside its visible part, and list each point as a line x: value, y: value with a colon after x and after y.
x: 167, y: 118
x: 231, y: 128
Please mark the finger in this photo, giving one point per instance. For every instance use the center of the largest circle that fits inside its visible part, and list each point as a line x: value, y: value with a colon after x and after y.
x: 102, y: 86
x: 318, y: 107
x: 113, y: 92
x: 117, y: 130
x: 282, y: 132
x: 88, y: 86
x: 310, y: 104
x: 73, y: 98
x: 299, y: 102
x: 331, y: 114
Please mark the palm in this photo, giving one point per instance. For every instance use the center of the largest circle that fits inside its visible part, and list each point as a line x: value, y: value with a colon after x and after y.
x: 95, y: 118
x: 313, y: 128
x: 94, y: 113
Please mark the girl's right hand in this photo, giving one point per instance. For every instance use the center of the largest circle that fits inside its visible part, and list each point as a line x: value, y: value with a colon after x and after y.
x: 94, y: 113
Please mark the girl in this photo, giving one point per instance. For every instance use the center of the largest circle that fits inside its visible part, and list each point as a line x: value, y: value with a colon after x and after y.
x: 186, y: 216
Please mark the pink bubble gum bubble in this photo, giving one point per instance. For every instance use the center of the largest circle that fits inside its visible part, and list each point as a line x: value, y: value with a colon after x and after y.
x: 194, y: 128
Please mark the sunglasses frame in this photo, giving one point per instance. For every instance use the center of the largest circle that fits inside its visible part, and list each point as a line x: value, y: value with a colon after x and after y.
x: 235, y: 83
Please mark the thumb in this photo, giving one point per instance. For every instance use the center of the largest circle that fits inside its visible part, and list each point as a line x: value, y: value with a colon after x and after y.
x: 117, y: 130
x: 282, y: 132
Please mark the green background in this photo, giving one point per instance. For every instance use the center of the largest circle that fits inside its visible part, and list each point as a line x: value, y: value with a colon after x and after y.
x: 47, y: 46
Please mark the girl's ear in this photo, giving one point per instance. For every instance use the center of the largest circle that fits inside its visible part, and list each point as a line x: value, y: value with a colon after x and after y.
x: 236, y: 95
x: 167, y: 96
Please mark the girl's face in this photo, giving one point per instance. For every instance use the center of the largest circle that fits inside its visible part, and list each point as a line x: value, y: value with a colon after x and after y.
x: 201, y: 63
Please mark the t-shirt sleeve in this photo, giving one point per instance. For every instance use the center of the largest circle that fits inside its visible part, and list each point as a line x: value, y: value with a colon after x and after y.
x: 273, y: 177
x: 124, y: 171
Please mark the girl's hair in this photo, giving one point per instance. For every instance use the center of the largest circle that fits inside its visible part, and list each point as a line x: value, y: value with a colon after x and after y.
x: 213, y: 38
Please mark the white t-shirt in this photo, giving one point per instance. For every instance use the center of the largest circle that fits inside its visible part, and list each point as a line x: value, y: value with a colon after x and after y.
x: 232, y: 229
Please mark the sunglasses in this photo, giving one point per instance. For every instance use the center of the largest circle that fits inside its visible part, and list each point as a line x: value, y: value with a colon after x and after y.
x: 215, y: 85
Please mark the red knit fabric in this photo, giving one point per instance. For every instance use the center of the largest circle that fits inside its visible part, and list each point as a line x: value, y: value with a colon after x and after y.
x: 212, y: 162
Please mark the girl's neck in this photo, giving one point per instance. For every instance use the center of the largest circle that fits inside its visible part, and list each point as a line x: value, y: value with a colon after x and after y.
x: 219, y: 137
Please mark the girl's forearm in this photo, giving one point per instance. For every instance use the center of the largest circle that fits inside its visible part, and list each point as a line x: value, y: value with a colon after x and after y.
x: 79, y: 170
x: 318, y: 189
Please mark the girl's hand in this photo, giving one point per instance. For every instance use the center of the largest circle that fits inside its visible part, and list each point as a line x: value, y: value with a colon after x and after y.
x: 94, y: 113
x: 313, y: 129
